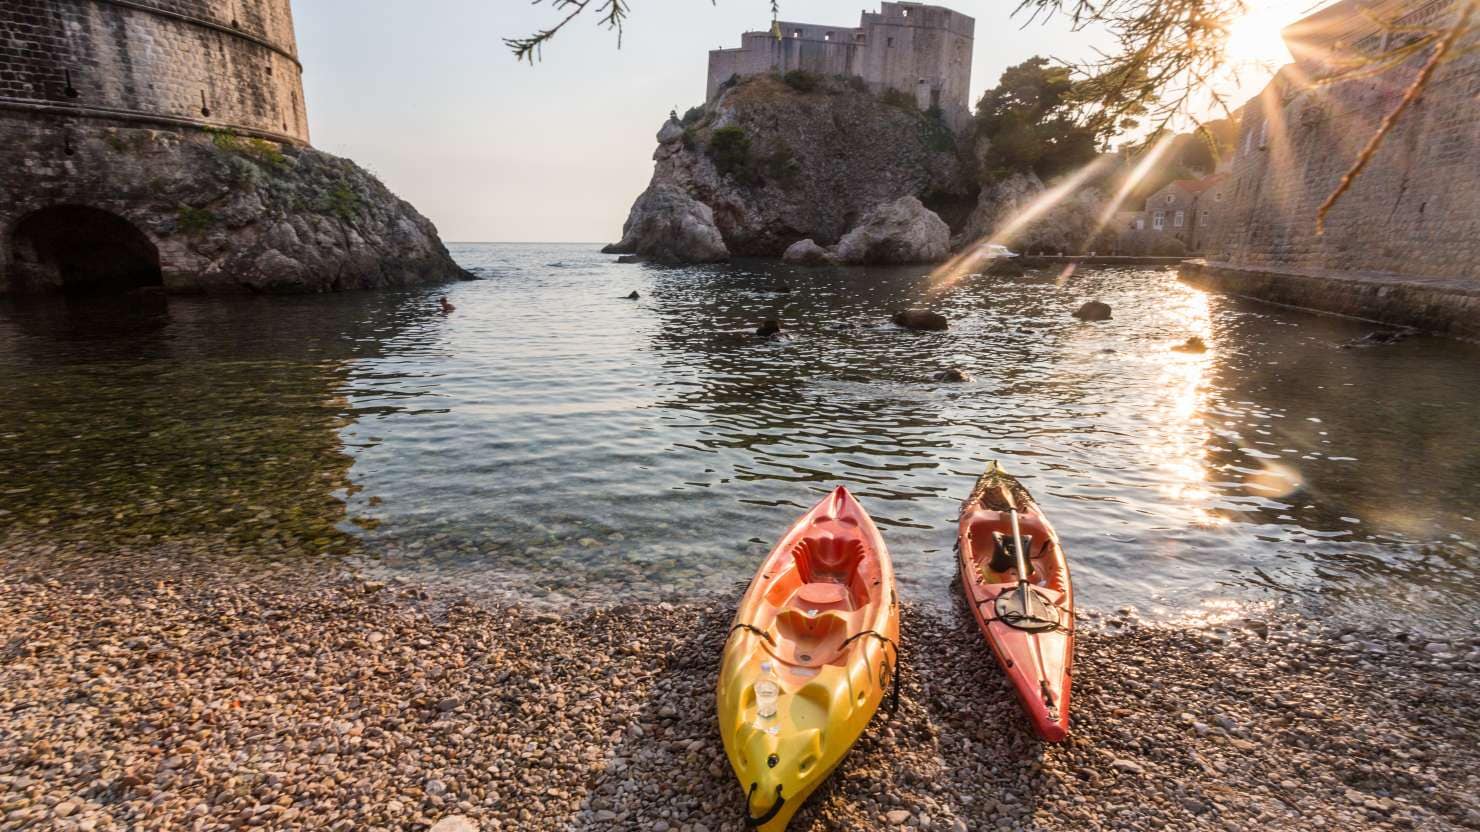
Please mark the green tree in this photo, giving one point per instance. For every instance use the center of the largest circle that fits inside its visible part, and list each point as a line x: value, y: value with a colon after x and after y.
x: 1028, y: 122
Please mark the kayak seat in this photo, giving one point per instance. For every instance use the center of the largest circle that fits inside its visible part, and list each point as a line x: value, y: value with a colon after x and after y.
x: 810, y: 639
x: 1004, y: 554
x: 833, y: 563
x: 990, y: 537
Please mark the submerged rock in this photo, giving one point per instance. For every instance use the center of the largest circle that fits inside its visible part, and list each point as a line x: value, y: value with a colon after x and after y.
x: 1093, y: 311
x: 900, y: 232
x: 669, y: 226
x: 770, y: 327
x: 1191, y: 345
x: 629, y: 258
x: 1388, y: 336
x: 955, y: 375
x: 921, y: 319
x: 1004, y: 267
x: 634, y: 295
x: 808, y: 253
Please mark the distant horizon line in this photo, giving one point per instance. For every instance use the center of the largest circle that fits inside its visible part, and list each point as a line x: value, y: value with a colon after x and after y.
x: 522, y: 242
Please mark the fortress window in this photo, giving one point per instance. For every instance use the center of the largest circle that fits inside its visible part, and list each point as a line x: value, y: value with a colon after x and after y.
x: 1179, y: 219
x: 906, y: 12
x: 828, y: 36
x: 890, y: 43
x: 860, y: 37
x: 796, y: 33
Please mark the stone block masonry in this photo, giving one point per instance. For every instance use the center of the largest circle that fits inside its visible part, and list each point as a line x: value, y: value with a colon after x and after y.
x: 921, y: 51
x: 1404, y: 234
x: 1414, y: 211
x: 229, y: 64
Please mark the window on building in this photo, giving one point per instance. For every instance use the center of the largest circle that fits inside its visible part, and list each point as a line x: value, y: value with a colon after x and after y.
x: 1140, y: 223
x: 1178, y: 219
x: 859, y: 37
x: 796, y: 33
x: 1171, y: 198
x: 906, y: 12
x: 1202, y: 218
x: 1159, y: 221
x: 828, y: 36
x: 1217, y: 196
x: 890, y: 43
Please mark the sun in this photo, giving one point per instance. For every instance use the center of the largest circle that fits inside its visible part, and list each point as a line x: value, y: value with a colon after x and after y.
x: 1255, y: 37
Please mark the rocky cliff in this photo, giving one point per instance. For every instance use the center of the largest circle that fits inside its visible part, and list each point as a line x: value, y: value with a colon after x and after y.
x: 205, y: 212
x: 779, y: 160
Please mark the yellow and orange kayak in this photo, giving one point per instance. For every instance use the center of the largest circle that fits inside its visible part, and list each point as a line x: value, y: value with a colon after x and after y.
x: 1029, y: 625
x: 810, y: 655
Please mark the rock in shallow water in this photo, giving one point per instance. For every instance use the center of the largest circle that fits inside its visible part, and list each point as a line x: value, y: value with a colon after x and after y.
x: 921, y: 319
x: 1093, y: 311
x: 808, y: 253
x: 900, y: 232
x: 669, y: 226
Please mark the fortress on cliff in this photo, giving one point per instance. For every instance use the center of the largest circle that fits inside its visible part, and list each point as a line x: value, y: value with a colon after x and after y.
x: 922, y: 51
x: 165, y: 143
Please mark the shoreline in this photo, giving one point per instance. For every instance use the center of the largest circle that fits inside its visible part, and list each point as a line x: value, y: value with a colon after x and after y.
x: 142, y: 692
x: 1441, y: 306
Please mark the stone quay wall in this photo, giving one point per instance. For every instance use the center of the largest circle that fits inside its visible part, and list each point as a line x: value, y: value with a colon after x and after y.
x: 225, y: 64
x: 1415, y: 210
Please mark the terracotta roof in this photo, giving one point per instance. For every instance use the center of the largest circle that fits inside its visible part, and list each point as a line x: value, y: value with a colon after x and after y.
x: 1197, y: 186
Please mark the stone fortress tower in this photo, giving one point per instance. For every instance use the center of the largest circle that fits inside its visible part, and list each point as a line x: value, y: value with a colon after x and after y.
x: 166, y: 142
x: 230, y: 64
x: 922, y: 51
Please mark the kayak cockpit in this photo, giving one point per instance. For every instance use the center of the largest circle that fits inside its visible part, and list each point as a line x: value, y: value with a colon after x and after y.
x: 989, y: 543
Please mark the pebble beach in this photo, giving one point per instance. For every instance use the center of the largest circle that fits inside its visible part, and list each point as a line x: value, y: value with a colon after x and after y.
x: 169, y: 687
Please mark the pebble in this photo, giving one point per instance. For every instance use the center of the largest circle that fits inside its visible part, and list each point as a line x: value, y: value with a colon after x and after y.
x: 291, y: 698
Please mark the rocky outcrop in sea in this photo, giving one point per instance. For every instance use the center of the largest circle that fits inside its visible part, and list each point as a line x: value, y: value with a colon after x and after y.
x: 778, y: 165
x: 223, y: 213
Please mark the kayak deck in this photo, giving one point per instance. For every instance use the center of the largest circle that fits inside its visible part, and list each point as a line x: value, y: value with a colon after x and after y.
x: 821, y: 611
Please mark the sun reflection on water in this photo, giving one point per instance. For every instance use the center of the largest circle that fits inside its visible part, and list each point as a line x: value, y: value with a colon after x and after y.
x: 1179, y: 439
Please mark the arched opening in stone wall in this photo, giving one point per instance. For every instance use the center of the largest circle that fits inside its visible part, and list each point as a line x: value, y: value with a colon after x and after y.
x: 82, y: 250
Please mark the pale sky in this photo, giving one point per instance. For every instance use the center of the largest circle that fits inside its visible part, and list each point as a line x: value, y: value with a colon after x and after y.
x: 426, y: 95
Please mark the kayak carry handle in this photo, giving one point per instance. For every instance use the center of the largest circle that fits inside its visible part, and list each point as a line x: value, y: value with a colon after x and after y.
x: 770, y: 814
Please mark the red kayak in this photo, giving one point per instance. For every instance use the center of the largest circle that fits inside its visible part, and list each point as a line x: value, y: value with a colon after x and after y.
x: 1029, y: 623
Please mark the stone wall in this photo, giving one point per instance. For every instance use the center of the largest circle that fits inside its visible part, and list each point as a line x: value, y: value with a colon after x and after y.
x: 228, y: 64
x: 1415, y: 211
